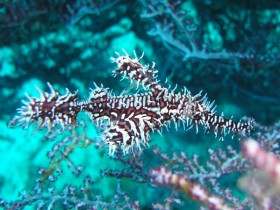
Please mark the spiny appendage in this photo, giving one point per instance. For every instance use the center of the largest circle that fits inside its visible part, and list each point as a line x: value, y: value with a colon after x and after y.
x: 205, y: 115
x: 126, y: 136
x: 123, y: 119
x: 50, y: 110
x: 135, y: 71
x: 97, y: 104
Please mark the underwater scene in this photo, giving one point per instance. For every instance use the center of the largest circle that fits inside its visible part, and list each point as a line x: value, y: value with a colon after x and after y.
x: 145, y: 104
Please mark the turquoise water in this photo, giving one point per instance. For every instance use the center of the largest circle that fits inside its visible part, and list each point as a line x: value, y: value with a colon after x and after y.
x: 229, y: 50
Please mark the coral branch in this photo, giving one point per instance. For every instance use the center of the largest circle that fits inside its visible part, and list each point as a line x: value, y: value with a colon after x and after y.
x: 165, y: 177
x: 264, y: 183
x: 263, y: 160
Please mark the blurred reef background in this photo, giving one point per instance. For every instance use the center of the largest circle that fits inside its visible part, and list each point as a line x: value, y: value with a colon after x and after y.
x: 228, y: 49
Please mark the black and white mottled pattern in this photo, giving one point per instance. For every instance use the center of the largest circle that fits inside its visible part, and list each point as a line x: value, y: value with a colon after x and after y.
x: 130, y: 118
